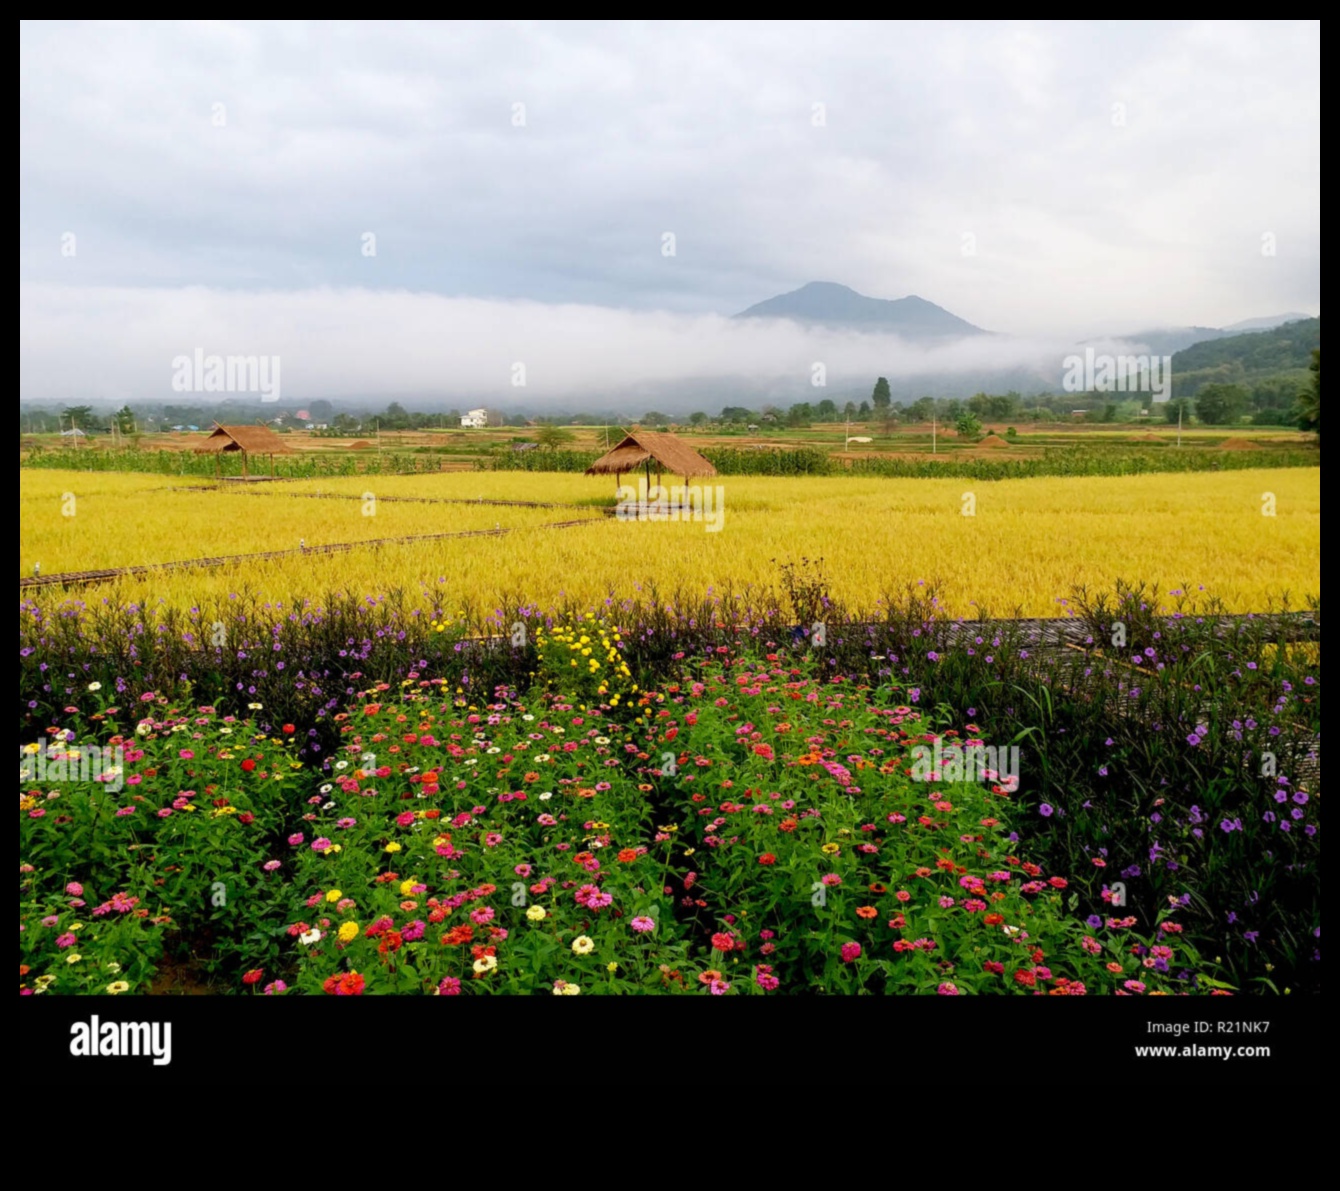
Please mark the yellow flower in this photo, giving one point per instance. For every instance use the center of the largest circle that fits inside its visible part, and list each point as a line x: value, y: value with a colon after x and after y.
x: 611, y: 967
x: 348, y: 932
x: 572, y: 990
x: 583, y: 945
x: 485, y: 964
x: 118, y: 986
x: 393, y: 847
x: 829, y: 849
x: 333, y: 895
x: 535, y: 913
x: 73, y: 959
x: 407, y: 887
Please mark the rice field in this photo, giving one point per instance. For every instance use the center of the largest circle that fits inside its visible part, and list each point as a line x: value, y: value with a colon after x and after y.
x: 993, y: 546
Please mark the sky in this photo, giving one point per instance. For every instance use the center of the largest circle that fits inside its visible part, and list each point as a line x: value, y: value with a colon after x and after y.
x: 415, y: 208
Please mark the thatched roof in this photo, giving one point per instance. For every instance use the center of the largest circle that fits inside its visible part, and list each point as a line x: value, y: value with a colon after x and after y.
x: 664, y: 450
x: 253, y: 440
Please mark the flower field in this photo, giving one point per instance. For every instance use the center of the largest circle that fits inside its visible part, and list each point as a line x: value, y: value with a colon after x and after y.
x: 628, y: 757
x: 753, y: 829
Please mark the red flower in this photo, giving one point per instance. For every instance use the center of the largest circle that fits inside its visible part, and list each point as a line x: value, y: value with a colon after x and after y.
x: 253, y: 977
x: 287, y: 729
x: 993, y: 919
x: 1025, y: 978
x: 723, y: 942
x: 767, y: 858
x: 671, y: 734
x: 246, y: 817
x: 994, y: 967
x: 351, y: 985
x: 248, y: 765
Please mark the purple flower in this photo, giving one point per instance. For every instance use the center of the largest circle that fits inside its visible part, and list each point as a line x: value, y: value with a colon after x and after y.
x: 1045, y: 810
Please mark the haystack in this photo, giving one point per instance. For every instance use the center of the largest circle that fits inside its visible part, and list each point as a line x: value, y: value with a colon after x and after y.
x: 1238, y: 444
x: 993, y: 442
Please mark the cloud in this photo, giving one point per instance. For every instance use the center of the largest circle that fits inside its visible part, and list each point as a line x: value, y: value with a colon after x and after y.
x: 120, y: 344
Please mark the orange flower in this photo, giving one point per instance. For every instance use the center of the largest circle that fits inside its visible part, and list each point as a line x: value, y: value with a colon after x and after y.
x: 586, y: 793
x: 707, y: 977
x: 994, y: 919
x: 866, y: 912
x: 878, y: 888
x: 627, y: 855
x: 531, y: 777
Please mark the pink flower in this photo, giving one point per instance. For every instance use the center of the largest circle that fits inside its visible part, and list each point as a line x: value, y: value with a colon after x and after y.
x: 74, y: 889
x: 719, y: 987
x: 50, y: 920
x: 450, y: 987
x: 270, y: 865
x: 482, y: 915
x: 295, y: 839
x: 851, y: 952
x: 406, y: 819
x: 275, y: 986
x: 346, y: 823
x: 68, y: 939
x: 948, y: 989
x: 643, y: 924
x: 492, y: 840
x: 321, y: 844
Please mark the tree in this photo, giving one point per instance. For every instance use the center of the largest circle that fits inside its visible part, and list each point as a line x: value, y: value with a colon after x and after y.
x: 968, y: 425
x: 826, y: 410
x: 849, y: 410
x: 1178, y: 406
x: 125, y: 420
x: 697, y: 418
x: 737, y: 413
x: 653, y: 418
x: 881, y: 396
x: 1218, y: 404
x: 551, y: 438
x: 1309, y: 400
x: 800, y: 414
x: 864, y: 411
x: 80, y: 417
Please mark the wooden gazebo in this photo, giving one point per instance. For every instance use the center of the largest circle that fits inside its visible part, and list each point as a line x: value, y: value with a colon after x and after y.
x: 250, y: 440
x: 642, y: 448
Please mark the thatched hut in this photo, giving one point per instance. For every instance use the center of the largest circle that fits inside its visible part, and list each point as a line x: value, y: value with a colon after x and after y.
x: 642, y: 448
x: 250, y: 440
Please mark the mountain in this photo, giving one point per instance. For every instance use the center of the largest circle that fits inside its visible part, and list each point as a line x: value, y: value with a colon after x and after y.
x: 1268, y: 323
x: 1253, y: 353
x: 1167, y: 341
x: 822, y: 303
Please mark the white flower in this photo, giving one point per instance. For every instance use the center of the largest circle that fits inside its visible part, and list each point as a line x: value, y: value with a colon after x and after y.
x: 312, y: 936
x: 602, y: 740
x: 256, y: 706
x: 472, y: 761
x: 542, y: 757
x: 527, y: 718
x: 326, y: 789
x: 495, y: 749
x: 546, y: 796
x: 95, y: 686
x: 325, y: 806
x: 341, y: 764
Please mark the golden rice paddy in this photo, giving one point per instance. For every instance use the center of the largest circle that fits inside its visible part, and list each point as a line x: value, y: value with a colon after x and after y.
x: 1247, y: 537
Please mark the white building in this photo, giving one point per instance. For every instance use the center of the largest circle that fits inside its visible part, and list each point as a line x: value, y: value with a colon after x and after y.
x: 476, y: 419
